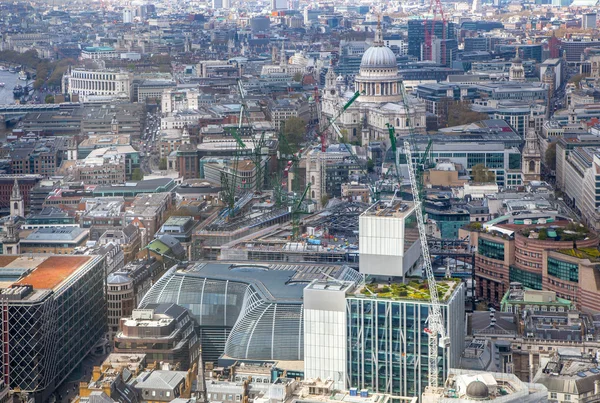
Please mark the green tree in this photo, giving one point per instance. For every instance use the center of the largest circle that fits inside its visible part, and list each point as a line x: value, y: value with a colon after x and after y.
x: 297, y: 77
x: 38, y: 83
x: 550, y: 157
x: 370, y: 165
x: 293, y: 130
x: 137, y: 175
x: 324, y: 199
x: 49, y: 99
x: 481, y: 174
x: 162, y: 164
x: 460, y: 113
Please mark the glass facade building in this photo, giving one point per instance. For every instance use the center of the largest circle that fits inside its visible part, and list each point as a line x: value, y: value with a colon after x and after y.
x: 387, y: 347
x: 247, y: 311
x: 50, y: 321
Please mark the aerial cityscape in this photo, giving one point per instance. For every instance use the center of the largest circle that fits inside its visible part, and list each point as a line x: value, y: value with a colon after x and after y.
x: 296, y: 201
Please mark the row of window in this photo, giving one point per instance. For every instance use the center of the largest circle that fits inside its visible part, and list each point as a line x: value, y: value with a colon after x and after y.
x: 563, y: 270
x: 490, y: 249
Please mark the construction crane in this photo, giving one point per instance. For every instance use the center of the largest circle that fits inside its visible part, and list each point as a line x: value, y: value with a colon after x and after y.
x: 435, y: 8
x: 322, y: 134
x: 295, y: 215
x: 229, y: 182
x: 435, y: 328
x: 257, y: 142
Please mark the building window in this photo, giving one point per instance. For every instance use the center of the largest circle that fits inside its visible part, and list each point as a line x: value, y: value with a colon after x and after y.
x: 528, y: 279
x: 552, y: 395
x: 563, y: 270
x: 492, y: 250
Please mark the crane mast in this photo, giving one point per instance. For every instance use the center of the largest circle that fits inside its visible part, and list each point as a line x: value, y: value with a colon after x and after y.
x: 436, y: 330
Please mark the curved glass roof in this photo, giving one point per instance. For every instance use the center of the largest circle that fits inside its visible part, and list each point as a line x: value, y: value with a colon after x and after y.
x: 261, y: 304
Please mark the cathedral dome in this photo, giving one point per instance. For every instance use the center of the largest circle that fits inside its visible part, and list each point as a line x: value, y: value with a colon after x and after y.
x: 379, y: 56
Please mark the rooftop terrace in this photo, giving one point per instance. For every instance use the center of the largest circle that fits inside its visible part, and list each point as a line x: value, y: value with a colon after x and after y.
x: 414, y: 290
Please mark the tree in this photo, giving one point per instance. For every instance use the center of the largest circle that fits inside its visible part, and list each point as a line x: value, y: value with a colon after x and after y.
x: 293, y: 130
x: 162, y: 164
x: 481, y: 174
x: 576, y: 79
x: 370, y: 165
x: 550, y: 157
x: 460, y: 113
x: 324, y: 200
x: 297, y: 77
x: 49, y: 99
x: 137, y: 175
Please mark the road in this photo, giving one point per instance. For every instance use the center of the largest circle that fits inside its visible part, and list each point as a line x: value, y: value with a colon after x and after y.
x: 148, y: 144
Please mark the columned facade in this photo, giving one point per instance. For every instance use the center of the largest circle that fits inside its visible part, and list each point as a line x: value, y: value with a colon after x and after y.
x: 93, y: 82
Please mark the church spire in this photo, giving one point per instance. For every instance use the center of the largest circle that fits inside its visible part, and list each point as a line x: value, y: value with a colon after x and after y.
x: 378, y: 33
x: 17, y: 206
x: 16, y: 192
x: 282, y: 58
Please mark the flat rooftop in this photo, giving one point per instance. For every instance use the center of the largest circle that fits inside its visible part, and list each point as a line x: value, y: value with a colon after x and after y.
x: 397, y: 209
x: 39, y: 271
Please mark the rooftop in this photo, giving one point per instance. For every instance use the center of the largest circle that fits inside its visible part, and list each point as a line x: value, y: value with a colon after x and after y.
x: 398, y: 209
x: 63, y: 234
x: 591, y: 254
x: 40, y: 271
x: 415, y: 290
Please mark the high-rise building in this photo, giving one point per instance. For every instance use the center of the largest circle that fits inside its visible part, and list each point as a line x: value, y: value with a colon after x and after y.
x: 389, y: 239
x: 417, y: 33
x: 374, y: 337
x: 54, y: 314
x: 217, y: 4
x: 127, y: 16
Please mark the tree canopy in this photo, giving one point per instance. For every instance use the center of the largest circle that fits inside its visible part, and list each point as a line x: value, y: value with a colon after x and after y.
x: 550, y: 157
x: 481, y: 174
x: 137, y: 175
x: 294, y: 130
x: 460, y: 113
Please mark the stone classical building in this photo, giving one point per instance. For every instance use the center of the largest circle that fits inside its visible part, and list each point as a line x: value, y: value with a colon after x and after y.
x: 382, y: 100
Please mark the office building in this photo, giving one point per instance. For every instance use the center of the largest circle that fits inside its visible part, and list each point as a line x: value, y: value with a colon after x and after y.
x: 165, y: 333
x: 247, y: 312
x: 389, y: 240
x: 55, y: 315
x: 102, y: 52
x: 579, y: 167
x: 56, y: 240
x: 127, y: 16
x: 375, y: 334
x: 416, y: 35
x: 490, y: 142
x: 126, y: 288
x: 531, y: 252
x: 109, y: 83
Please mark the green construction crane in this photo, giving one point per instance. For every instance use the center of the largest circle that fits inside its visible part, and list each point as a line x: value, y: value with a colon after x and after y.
x: 295, y: 215
x: 258, y: 142
x: 229, y: 182
x: 321, y: 133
